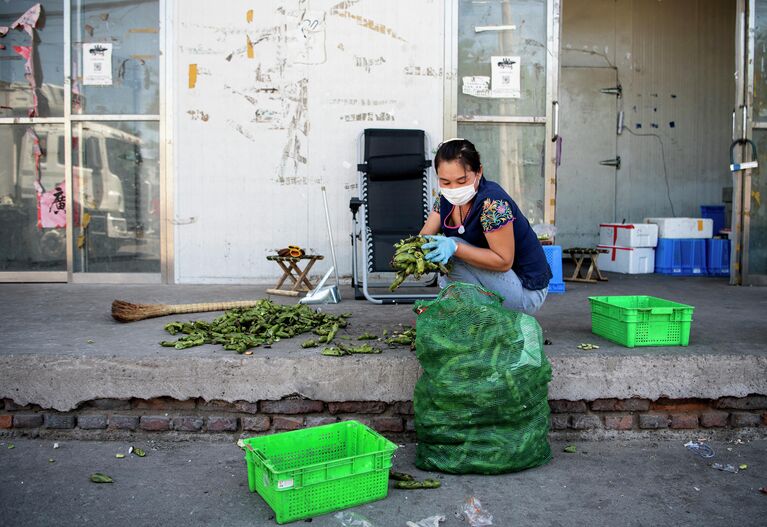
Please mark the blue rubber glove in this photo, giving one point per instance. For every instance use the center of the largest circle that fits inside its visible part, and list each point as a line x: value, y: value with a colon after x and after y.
x: 442, y: 248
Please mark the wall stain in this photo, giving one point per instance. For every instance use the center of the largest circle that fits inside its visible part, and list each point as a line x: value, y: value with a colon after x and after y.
x: 368, y: 116
x: 198, y: 115
x: 423, y: 71
x: 362, y: 102
x: 367, y: 63
x: 293, y: 153
x: 238, y: 127
x: 340, y: 10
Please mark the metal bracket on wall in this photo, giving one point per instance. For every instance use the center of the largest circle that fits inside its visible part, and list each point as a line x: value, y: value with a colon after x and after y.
x: 617, y: 91
x: 612, y: 163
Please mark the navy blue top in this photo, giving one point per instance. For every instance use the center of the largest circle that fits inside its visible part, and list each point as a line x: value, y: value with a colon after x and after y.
x: 492, y: 209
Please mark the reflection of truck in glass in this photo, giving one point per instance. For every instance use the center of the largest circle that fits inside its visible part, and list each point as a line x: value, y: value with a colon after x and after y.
x: 109, y: 184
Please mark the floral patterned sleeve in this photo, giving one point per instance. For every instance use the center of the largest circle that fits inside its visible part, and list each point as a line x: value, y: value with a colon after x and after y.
x: 435, y: 206
x: 495, y: 214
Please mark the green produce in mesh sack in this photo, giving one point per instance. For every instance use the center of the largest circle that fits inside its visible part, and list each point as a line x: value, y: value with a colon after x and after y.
x: 481, y: 405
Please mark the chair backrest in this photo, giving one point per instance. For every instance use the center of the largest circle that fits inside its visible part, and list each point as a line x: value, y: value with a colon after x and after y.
x: 395, y: 190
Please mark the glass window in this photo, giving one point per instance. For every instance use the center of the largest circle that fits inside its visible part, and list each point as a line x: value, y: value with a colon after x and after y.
x: 117, y: 189
x: 115, y: 57
x: 32, y: 200
x: 478, y: 42
x: 45, y: 59
x: 512, y: 156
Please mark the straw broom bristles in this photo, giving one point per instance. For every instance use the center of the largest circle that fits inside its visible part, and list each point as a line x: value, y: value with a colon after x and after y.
x: 127, y: 312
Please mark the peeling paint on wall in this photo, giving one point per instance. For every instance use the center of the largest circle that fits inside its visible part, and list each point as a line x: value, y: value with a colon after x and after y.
x: 287, y: 120
x: 198, y: 115
x: 340, y: 10
x: 423, y: 71
x: 362, y: 102
x: 368, y: 116
x: 294, y: 151
x: 366, y: 63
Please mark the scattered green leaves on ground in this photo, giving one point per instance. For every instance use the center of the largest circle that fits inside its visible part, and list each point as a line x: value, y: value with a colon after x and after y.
x: 98, y: 477
x: 402, y: 337
x: 261, y: 325
x: 119, y: 456
x: 11, y: 445
x: 425, y: 484
x: 342, y: 349
x: 587, y: 347
x: 136, y: 451
x: 570, y: 449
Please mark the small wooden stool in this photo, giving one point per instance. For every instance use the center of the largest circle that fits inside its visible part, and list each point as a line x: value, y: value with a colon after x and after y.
x: 291, y: 269
x: 581, y: 256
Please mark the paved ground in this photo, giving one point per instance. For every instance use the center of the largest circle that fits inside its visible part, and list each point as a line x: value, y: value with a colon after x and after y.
x: 620, y: 483
x: 64, y: 317
x: 59, y: 347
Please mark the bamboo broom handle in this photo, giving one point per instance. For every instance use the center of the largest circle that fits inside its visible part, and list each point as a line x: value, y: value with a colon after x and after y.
x: 210, y: 306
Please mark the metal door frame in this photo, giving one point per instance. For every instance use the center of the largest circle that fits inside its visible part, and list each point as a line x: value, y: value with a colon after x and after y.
x: 550, y: 120
x: 166, y: 243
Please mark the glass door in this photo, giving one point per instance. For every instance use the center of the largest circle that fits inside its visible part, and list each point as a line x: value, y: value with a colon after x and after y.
x: 502, y: 64
x: 80, y: 149
x: 33, y: 204
x: 753, y: 183
x: 115, y: 140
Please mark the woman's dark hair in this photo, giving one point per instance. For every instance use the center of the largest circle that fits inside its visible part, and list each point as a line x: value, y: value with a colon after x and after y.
x: 461, y: 150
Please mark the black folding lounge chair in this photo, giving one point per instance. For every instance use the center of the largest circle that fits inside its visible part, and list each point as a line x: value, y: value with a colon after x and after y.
x: 395, y: 197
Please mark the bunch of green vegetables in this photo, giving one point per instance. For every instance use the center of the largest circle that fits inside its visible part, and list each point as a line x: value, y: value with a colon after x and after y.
x: 241, y: 329
x: 402, y: 337
x: 410, y: 259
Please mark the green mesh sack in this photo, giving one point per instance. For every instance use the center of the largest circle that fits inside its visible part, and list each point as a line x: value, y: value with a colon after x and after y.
x: 481, y: 405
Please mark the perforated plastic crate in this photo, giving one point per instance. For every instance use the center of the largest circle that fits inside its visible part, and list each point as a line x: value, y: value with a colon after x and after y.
x: 305, y: 473
x: 718, y: 257
x: 682, y: 257
x: 641, y: 320
x: 554, y: 258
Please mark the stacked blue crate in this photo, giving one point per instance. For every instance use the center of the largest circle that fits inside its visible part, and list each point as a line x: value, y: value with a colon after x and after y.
x: 681, y: 257
x: 554, y: 258
x: 718, y: 257
x: 716, y: 213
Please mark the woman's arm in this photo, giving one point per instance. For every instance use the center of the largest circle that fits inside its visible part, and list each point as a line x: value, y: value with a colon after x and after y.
x: 432, y: 225
x: 499, y: 257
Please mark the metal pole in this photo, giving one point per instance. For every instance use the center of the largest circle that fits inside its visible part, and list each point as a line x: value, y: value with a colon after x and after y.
x: 330, y: 233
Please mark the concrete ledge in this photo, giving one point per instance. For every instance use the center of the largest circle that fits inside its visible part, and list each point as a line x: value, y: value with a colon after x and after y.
x: 63, y: 382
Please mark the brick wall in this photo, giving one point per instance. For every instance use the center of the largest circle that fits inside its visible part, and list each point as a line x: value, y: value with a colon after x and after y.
x: 163, y: 415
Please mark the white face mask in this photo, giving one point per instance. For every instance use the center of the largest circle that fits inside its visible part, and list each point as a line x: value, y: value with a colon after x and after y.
x: 459, y: 196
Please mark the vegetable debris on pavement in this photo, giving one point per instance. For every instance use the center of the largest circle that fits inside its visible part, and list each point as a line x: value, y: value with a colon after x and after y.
x: 261, y: 325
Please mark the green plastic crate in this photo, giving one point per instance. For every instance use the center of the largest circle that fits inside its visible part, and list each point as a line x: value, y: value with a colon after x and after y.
x: 641, y: 320
x: 306, y: 473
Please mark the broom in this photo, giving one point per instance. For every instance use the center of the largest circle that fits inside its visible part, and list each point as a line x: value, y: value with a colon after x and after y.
x: 126, y: 312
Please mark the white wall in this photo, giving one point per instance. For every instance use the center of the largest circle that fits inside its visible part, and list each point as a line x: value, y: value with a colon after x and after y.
x: 255, y: 138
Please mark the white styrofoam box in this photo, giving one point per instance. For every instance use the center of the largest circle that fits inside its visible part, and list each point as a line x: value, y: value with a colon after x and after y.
x: 683, y: 228
x: 627, y: 260
x: 628, y: 234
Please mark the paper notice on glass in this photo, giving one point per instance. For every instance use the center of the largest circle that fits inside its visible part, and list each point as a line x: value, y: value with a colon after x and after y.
x: 505, y: 81
x: 476, y: 86
x: 97, y: 64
